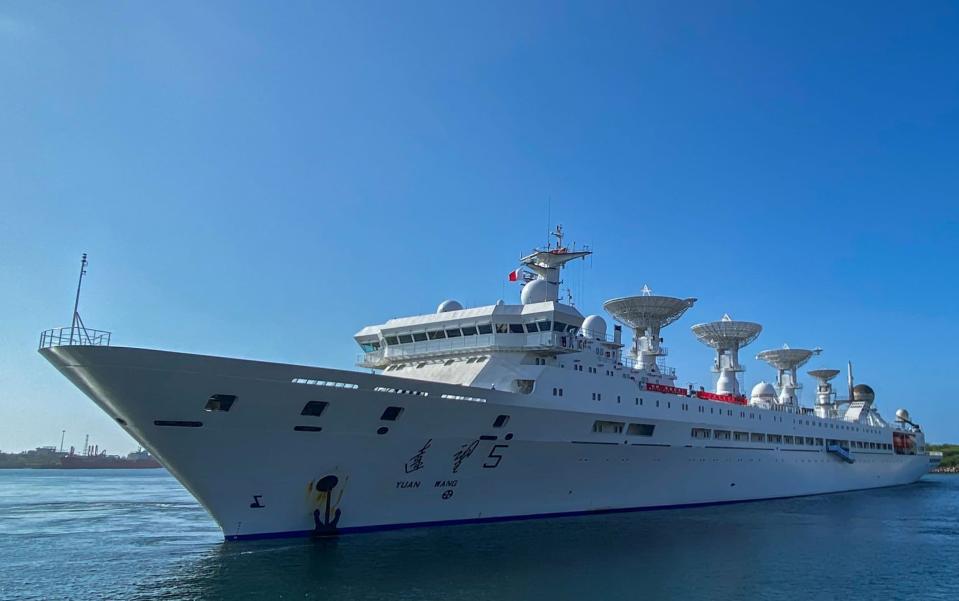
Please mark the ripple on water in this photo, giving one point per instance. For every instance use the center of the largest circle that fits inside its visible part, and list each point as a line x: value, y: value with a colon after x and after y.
x: 140, y: 535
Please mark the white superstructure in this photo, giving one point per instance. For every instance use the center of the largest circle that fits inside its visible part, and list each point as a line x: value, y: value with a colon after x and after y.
x: 504, y: 411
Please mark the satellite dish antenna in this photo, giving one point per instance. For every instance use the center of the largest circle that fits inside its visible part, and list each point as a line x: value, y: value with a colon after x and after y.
x: 727, y: 337
x: 786, y: 361
x: 647, y: 314
x: 824, y: 400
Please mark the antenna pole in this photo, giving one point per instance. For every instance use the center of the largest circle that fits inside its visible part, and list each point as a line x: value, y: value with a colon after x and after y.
x: 62, y: 434
x: 76, y: 303
x: 849, y: 367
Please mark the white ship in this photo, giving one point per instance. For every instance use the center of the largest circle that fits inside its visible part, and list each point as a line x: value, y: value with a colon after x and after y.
x: 499, y: 412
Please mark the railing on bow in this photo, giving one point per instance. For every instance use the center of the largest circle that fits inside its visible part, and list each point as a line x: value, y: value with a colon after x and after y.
x: 73, y: 336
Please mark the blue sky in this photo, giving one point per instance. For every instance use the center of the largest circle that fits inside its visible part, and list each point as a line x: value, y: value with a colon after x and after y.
x: 262, y: 180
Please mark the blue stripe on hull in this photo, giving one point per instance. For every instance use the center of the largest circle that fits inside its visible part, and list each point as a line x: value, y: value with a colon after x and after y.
x: 532, y: 516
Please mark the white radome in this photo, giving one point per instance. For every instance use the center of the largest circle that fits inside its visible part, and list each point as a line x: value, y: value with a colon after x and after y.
x: 537, y: 291
x: 764, y: 391
x: 594, y: 326
x: 449, y: 305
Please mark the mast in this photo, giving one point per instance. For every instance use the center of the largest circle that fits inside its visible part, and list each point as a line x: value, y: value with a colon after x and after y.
x: 76, y: 303
x: 849, y: 372
x: 546, y: 263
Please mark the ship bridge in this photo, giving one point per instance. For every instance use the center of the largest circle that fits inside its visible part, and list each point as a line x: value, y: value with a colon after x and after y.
x: 546, y: 327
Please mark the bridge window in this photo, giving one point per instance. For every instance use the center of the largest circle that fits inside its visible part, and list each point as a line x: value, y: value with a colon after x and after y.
x: 502, y: 328
x: 220, y: 402
x: 453, y: 333
x: 405, y: 338
x: 559, y: 326
x: 469, y: 331
x: 392, y: 340
x: 436, y: 334
x: 485, y: 328
x: 544, y: 325
x: 516, y: 328
x: 532, y: 328
x: 419, y: 336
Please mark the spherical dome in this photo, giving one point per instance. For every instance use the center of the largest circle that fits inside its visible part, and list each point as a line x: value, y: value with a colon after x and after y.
x: 537, y: 291
x: 862, y: 392
x: 449, y: 305
x: 763, y: 390
x: 594, y: 326
x: 902, y: 415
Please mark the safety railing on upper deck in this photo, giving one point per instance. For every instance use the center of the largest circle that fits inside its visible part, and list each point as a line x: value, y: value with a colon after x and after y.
x: 74, y: 336
x: 550, y: 341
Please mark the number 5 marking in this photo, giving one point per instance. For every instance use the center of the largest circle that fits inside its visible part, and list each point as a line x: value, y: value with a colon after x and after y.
x: 493, y: 455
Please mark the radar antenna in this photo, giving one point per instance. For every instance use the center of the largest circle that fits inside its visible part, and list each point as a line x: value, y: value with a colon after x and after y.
x: 825, y: 406
x: 727, y: 337
x: 647, y: 314
x: 786, y: 361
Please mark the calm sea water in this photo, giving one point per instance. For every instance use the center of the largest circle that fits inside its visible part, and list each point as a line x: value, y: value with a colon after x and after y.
x: 82, y: 534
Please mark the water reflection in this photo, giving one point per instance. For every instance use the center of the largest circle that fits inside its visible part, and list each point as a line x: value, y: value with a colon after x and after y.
x: 773, y: 550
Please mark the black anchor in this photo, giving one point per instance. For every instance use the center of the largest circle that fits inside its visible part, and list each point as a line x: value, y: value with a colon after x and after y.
x: 326, y: 527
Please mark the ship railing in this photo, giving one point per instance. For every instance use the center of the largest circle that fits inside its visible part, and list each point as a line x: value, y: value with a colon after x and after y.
x: 630, y: 363
x: 73, y: 336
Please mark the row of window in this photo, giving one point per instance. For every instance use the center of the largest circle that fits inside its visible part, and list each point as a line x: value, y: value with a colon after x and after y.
x: 531, y: 327
x: 224, y: 402
x: 752, y: 415
x: 609, y: 427
x: 786, y: 439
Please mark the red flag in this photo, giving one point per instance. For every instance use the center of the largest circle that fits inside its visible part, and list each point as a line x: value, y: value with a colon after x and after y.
x: 514, y: 275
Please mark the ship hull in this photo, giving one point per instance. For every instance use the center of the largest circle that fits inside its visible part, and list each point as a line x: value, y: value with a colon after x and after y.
x: 262, y: 469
